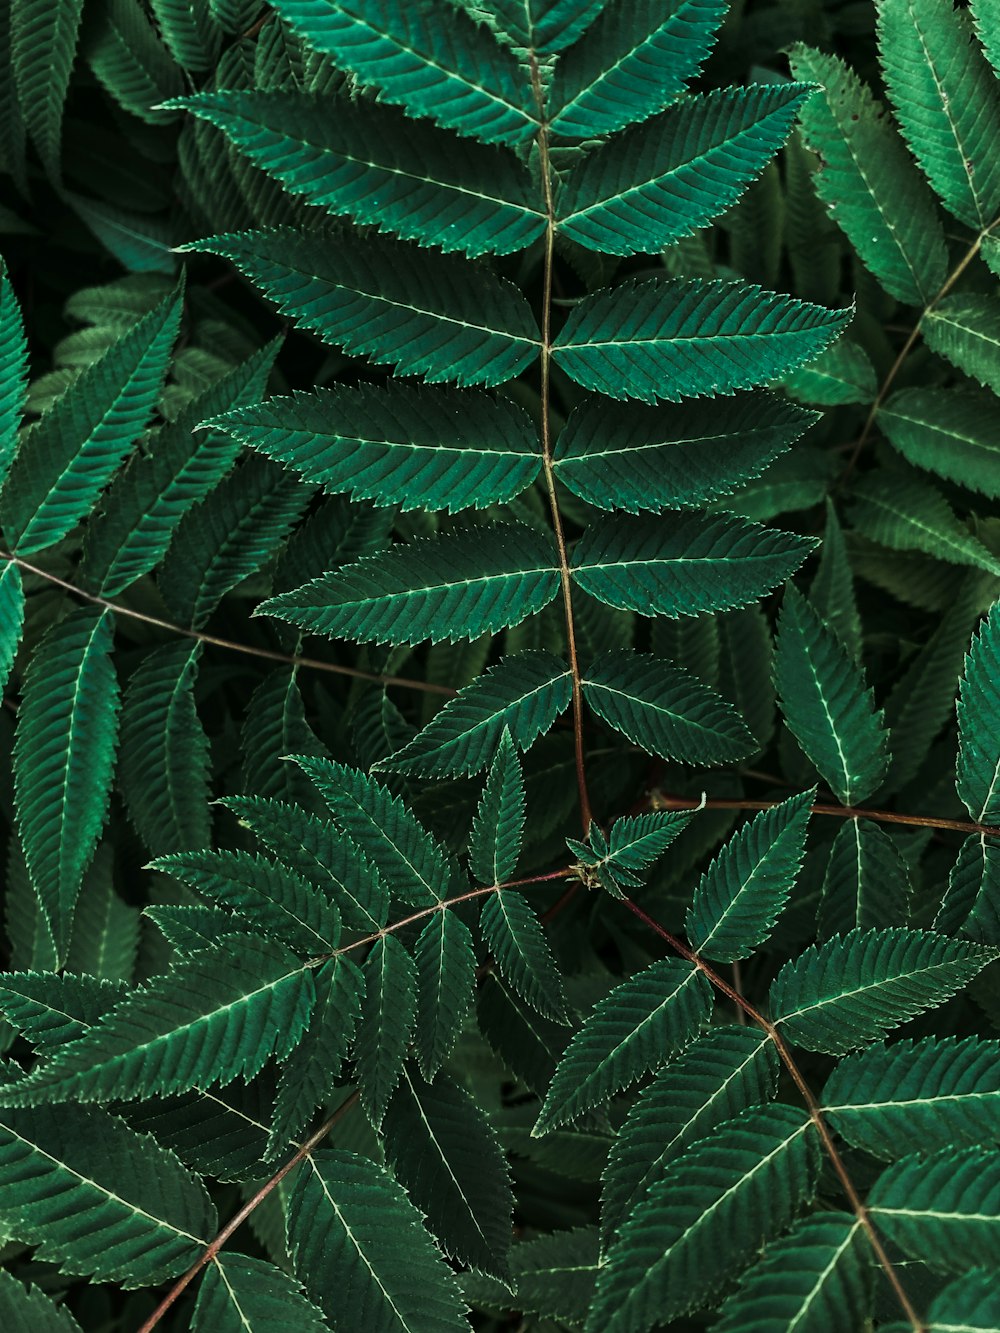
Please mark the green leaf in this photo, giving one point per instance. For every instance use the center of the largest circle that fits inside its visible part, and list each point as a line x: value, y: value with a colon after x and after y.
x: 51, y: 1008
x: 665, y: 179
x: 514, y: 935
x: 64, y: 759
x: 977, y: 775
x: 947, y: 431
x: 397, y: 444
x: 907, y: 512
x: 456, y: 586
x: 632, y: 62
x: 628, y: 1033
x: 309, y: 1075
x: 432, y: 63
x: 410, y: 861
x: 498, y: 828
x: 743, y: 892
x: 31, y: 1311
x: 227, y: 537
x: 707, y: 1216
x: 941, y: 1208
x: 924, y: 1096
x: 378, y: 167
x: 826, y: 703
x: 189, y: 32
x: 445, y: 1153
x: 13, y: 370
x: 317, y: 851
x: 275, y: 899
x: 131, y: 62
x: 243, y: 1295
x: 423, y: 313
x: 523, y: 693
x: 816, y: 1278
x: 695, y: 563
x: 841, y: 374
x: 715, y: 1078
x: 388, y: 1013
x: 970, y: 903
x: 866, y: 882
x: 43, y: 46
x: 146, y: 502
x: 944, y: 96
x: 222, y: 1134
x: 69, y: 456
x: 970, y: 1304
x: 635, y: 457
x: 987, y: 30
x: 358, y: 1242
x: 97, y: 1198
x: 965, y: 330
x: 633, y: 844
x: 673, y: 338
x: 837, y: 996
x: 832, y: 591
x: 869, y: 182
x: 665, y: 709
x: 11, y: 618
x: 275, y: 726
x: 544, y: 26
x: 217, y: 1015
x: 164, y: 769
x: 446, y: 981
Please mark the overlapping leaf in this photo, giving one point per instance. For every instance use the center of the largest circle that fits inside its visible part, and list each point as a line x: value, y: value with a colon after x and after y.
x: 947, y: 431
x: 978, y: 765
x: 498, y: 829
x: 243, y: 1295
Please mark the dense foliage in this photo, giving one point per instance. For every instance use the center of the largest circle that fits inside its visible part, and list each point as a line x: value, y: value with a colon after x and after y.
x: 499, y: 533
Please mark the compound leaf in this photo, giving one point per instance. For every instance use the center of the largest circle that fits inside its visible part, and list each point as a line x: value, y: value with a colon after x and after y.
x: 388, y: 1013
x: 243, y: 1295
x: 446, y: 979
x: 978, y: 765
x: 514, y: 936
x: 498, y: 829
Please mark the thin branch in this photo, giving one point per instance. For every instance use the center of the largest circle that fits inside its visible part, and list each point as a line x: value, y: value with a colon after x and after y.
x: 565, y: 579
x: 907, y: 348
x: 291, y: 659
x: 808, y: 1097
x: 214, y: 1246
x: 664, y: 801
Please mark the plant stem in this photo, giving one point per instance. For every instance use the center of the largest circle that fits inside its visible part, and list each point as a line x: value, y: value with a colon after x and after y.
x: 565, y: 579
x: 808, y: 1097
x: 907, y: 348
x: 664, y: 801
x: 291, y: 659
x: 214, y: 1246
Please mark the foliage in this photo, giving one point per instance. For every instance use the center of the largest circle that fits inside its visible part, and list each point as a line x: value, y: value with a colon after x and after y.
x: 499, y: 583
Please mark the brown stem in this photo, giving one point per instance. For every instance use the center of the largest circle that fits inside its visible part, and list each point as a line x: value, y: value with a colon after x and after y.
x: 291, y: 659
x: 907, y: 348
x: 546, y: 426
x: 664, y: 801
x: 214, y: 1246
x: 808, y: 1097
